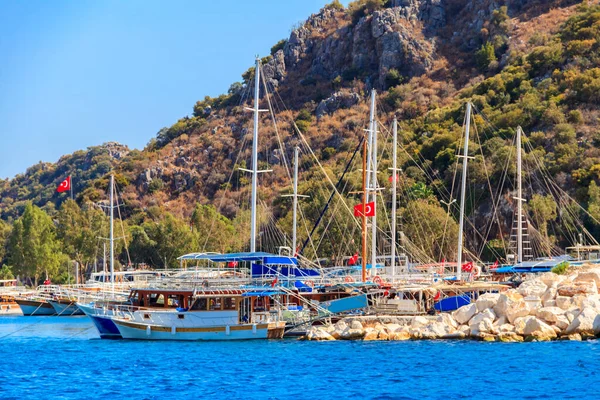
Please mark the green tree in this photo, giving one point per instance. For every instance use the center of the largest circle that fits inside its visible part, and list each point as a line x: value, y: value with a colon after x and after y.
x: 4, y: 235
x: 214, y: 231
x: 80, y: 232
x: 6, y: 272
x: 594, y: 202
x: 173, y: 238
x: 544, y: 210
x: 33, y: 248
x: 485, y: 56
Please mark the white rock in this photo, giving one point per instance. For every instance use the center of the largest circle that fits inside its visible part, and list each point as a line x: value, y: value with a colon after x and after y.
x: 393, y: 328
x: 319, y: 334
x: 419, y: 322
x: 532, y: 324
x: 551, y: 279
x: 351, y: 334
x: 501, y: 321
x: 584, y: 322
x: 520, y: 324
x: 533, y: 303
x: 574, y: 288
x: 532, y: 287
x: 504, y: 328
x: 564, y: 302
x: 464, y: 314
x: 596, y: 325
x: 550, y: 314
x: 482, y: 322
x: 448, y: 320
x: 487, y: 300
x: 589, y: 276
x: 549, y: 303
x: 549, y: 295
x: 356, y: 325
x: 572, y: 314
x: 517, y: 310
x: 507, y: 301
x: 592, y: 301
x: 562, y: 322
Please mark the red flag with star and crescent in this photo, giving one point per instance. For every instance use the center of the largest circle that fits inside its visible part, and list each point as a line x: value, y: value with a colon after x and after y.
x: 369, y: 210
x: 64, y: 185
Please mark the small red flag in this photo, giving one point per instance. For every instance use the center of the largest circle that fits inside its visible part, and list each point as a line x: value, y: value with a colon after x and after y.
x: 369, y: 210
x: 274, y: 282
x: 468, y: 267
x: 495, y: 265
x: 64, y: 185
x: 391, y: 178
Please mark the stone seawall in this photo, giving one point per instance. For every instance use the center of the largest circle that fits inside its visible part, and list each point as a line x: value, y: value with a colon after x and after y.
x: 545, y: 307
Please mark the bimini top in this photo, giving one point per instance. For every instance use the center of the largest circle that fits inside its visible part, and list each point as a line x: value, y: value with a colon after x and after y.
x: 264, y: 258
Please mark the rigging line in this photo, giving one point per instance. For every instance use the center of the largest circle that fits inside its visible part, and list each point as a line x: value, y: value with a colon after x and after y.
x: 335, y: 186
x: 122, y: 227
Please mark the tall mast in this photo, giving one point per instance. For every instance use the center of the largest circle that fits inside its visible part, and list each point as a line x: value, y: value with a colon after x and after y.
x: 374, y: 198
x: 112, y: 239
x: 463, y: 194
x: 296, y: 150
x: 394, y: 199
x: 519, y: 200
x: 364, y: 216
x: 254, y: 157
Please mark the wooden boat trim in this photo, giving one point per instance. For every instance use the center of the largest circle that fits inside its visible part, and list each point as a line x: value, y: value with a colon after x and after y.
x: 157, y: 328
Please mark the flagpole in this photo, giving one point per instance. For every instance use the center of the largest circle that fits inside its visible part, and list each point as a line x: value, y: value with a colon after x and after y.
x: 364, y: 213
x: 71, y: 186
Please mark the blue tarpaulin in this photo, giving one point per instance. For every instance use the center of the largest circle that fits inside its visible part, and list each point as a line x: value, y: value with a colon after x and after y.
x: 265, y: 258
x: 266, y: 269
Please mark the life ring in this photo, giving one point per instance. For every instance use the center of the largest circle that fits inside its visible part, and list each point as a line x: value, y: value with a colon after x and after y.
x: 377, y: 279
x: 476, y: 272
x: 310, y: 283
x: 348, y: 279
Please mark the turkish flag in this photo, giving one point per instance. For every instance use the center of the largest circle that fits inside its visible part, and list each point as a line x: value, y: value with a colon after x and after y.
x: 391, y: 178
x: 64, y: 185
x: 468, y: 267
x: 369, y: 210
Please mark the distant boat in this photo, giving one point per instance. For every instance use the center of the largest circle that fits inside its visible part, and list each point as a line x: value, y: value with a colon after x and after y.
x: 8, y: 306
x: 65, y: 307
x: 32, y: 306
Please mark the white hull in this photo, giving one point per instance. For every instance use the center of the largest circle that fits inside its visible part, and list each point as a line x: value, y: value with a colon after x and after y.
x: 132, y: 330
x: 65, y: 310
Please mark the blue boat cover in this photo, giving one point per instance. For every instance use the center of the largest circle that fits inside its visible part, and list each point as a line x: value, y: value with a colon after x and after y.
x: 265, y: 258
x: 452, y: 303
x: 265, y: 270
x: 263, y: 293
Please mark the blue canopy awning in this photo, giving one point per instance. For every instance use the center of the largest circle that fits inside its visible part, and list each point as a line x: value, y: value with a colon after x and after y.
x: 264, y: 258
x: 262, y: 294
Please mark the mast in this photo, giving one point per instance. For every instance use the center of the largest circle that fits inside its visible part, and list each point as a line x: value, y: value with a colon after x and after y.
x: 374, y: 198
x: 394, y: 199
x: 519, y: 200
x: 364, y: 216
x: 112, y: 239
x: 463, y: 193
x: 254, y: 157
x: 296, y: 150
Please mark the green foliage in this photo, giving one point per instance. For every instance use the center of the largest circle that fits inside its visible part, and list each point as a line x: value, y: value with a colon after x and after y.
x: 155, y: 185
x: 561, y: 268
x: 165, y: 240
x: 303, y: 120
x: 594, y: 202
x: 327, y: 153
x: 185, y: 125
x: 393, y: 78
x: 420, y: 191
x: 544, y: 210
x: 6, y: 272
x: 33, y: 249
x: 4, y: 235
x: 545, y: 58
x: 214, y: 231
x: 360, y: 8
x: 278, y: 46
x: 485, y: 56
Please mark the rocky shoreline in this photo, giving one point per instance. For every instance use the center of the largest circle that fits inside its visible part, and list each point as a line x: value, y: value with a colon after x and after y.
x: 543, y: 308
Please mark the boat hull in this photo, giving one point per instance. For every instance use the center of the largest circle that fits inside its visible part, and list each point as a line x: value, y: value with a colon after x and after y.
x: 65, y: 309
x: 10, y: 310
x: 35, y: 307
x: 102, y: 320
x: 134, y: 330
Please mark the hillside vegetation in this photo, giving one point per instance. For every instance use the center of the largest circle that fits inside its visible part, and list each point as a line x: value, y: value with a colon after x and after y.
x: 523, y: 63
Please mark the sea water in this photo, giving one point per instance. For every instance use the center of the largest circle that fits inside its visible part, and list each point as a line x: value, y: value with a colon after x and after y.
x: 63, y: 358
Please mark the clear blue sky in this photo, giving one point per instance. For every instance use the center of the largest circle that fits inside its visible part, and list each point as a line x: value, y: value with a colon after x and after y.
x: 75, y: 74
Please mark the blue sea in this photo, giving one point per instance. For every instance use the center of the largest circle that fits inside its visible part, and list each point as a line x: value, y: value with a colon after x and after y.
x: 63, y: 358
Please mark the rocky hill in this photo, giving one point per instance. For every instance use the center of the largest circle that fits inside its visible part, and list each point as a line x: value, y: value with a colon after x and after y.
x: 520, y: 62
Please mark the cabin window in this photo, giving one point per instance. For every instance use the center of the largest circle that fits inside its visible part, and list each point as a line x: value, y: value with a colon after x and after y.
x: 146, y: 316
x: 200, y: 304
x: 215, y: 303
x: 180, y: 316
x: 229, y: 303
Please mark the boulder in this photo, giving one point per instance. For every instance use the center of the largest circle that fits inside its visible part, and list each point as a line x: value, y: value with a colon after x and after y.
x: 487, y: 300
x: 562, y: 322
x: 589, y: 276
x: 517, y: 310
x: 338, y: 100
x: 592, y: 301
x: 392, y: 327
x: 532, y: 287
x: 550, y: 314
x: 583, y: 322
x: 551, y: 279
x: 538, y: 336
x: 400, y: 335
x: 571, y: 289
x: 596, y: 325
x: 465, y: 313
x: 371, y: 334
x: 564, y: 302
x: 419, y: 322
x: 538, y: 328
x: 501, y: 321
x: 507, y: 301
x: 532, y: 303
x: 447, y: 319
x: 572, y: 313
x: 573, y: 337
x: 318, y: 334
x: 352, y: 334
x: 549, y: 295
x: 482, y: 323
x: 509, y: 337
x: 487, y: 337
x: 356, y: 325
x: 520, y: 324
